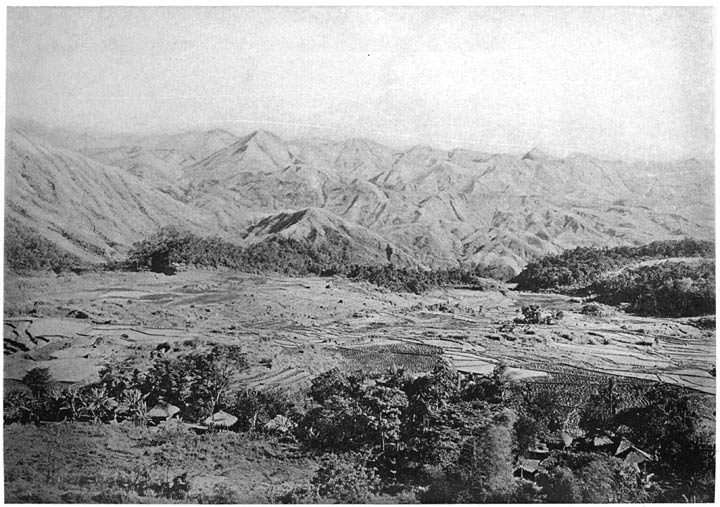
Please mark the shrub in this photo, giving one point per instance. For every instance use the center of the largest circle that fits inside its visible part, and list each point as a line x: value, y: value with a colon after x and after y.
x: 346, y: 479
x: 595, y: 310
x: 533, y: 314
x: 20, y: 407
x: 257, y: 408
x: 221, y: 494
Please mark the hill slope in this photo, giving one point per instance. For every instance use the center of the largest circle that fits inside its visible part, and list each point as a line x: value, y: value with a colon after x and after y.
x: 443, y: 208
x: 322, y: 227
x: 89, y: 209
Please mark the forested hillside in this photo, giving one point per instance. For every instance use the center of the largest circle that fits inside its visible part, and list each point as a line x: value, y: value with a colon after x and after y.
x: 582, y: 266
x: 668, y: 289
x: 26, y: 251
x: 171, y: 246
x: 663, y: 278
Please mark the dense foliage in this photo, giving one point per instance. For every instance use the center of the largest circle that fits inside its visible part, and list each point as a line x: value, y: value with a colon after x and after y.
x: 394, y: 438
x: 26, y: 250
x: 674, y: 425
x: 461, y: 442
x: 668, y: 289
x: 581, y: 267
x: 171, y: 246
x: 665, y: 288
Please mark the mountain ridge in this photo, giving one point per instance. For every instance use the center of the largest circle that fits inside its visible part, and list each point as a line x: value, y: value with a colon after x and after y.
x: 444, y: 208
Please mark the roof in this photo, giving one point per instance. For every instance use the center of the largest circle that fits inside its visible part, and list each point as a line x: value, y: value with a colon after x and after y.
x: 633, y: 455
x: 528, y: 465
x: 163, y: 410
x: 636, y: 456
x: 221, y: 419
x: 623, y: 446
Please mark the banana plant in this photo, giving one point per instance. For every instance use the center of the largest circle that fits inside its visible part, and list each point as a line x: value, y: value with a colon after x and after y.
x: 99, y: 405
x: 72, y: 405
x: 136, y: 405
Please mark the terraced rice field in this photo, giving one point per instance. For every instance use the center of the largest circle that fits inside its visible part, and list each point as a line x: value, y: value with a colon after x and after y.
x: 294, y: 329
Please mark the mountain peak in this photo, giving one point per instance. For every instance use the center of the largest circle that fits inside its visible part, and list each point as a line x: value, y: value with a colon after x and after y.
x: 261, y: 136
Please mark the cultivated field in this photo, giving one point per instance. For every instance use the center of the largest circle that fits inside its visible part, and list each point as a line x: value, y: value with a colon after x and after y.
x: 296, y: 328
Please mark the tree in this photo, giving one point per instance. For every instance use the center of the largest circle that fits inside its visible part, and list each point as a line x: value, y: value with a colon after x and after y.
x: 485, y: 464
x: 481, y: 470
x: 339, y: 424
x: 545, y: 408
x: 384, y: 406
x: 38, y: 380
x: 598, y: 413
x: 354, y: 413
x: 560, y: 486
x: 196, y: 382
x: 490, y: 389
x: 428, y: 429
x: 593, y: 477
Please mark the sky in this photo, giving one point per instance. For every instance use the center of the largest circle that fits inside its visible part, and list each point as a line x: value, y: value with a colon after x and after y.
x: 621, y: 83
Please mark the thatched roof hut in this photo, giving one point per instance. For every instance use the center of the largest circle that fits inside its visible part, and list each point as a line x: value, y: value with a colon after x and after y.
x: 221, y: 420
x: 163, y: 410
x: 629, y: 453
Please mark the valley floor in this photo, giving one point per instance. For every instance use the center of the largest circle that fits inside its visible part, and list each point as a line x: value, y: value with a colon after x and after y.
x: 292, y: 330
x: 309, y: 325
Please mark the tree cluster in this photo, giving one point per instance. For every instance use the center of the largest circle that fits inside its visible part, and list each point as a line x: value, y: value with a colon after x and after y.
x: 583, y: 266
x: 668, y: 289
x: 199, y: 383
x: 674, y: 425
x: 171, y: 246
x: 391, y: 438
x: 448, y: 443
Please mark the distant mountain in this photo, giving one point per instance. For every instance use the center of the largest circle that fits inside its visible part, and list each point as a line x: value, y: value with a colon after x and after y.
x: 319, y: 226
x: 438, y: 207
x: 92, y: 210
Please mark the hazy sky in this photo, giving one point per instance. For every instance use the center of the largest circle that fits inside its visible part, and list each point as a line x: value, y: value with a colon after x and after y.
x: 615, y: 82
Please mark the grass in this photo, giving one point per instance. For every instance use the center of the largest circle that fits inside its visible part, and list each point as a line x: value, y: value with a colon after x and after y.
x: 79, y: 462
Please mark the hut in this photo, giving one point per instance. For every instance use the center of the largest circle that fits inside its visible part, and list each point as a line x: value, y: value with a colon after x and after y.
x: 163, y: 411
x: 221, y: 419
x: 629, y: 453
x: 527, y: 468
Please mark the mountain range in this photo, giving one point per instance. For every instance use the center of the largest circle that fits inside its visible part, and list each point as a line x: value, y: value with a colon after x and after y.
x: 94, y: 196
